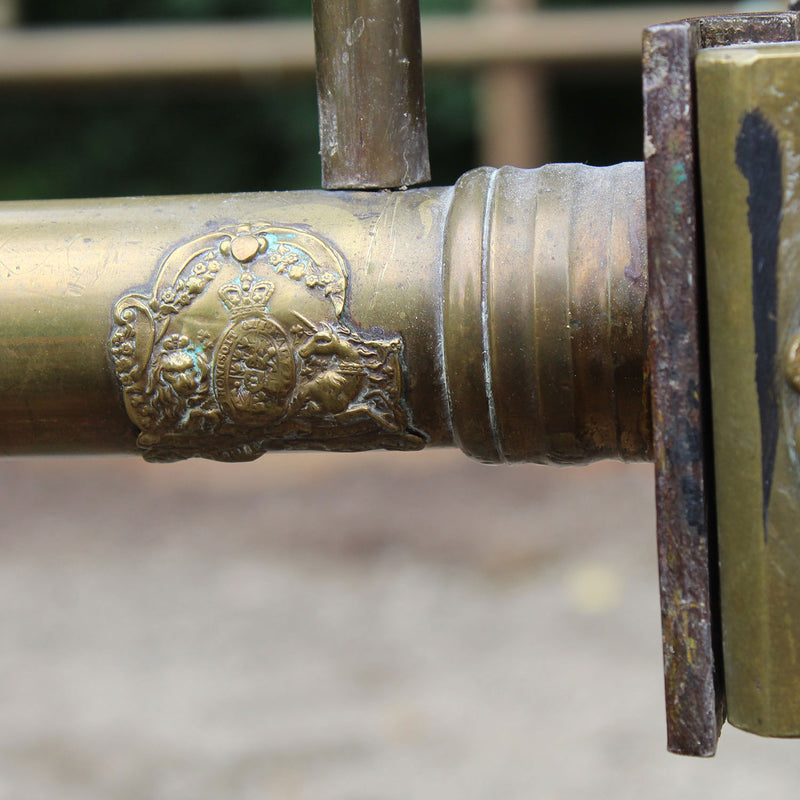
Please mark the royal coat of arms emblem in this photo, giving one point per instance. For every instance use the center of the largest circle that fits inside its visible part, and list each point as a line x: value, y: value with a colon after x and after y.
x: 243, y: 346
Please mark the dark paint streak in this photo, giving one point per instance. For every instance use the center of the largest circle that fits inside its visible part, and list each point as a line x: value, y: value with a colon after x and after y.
x: 758, y: 157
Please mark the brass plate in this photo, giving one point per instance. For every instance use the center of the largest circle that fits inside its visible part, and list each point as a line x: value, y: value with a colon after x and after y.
x: 749, y: 123
x: 241, y: 346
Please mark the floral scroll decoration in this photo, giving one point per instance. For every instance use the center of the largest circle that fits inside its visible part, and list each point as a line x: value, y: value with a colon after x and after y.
x: 243, y: 346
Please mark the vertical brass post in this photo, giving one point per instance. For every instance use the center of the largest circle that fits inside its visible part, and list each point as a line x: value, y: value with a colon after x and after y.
x: 373, y: 132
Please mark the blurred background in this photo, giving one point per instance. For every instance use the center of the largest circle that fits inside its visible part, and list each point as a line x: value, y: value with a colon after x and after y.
x: 71, y: 137
x: 313, y: 627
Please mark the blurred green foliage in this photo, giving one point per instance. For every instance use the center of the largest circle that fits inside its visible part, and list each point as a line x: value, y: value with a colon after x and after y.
x: 192, y: 139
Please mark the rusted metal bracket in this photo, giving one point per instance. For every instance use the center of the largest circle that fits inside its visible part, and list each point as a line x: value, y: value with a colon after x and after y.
x: 694, y: 679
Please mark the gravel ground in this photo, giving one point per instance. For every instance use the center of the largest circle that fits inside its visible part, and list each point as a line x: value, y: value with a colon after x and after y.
x: 372, y: 627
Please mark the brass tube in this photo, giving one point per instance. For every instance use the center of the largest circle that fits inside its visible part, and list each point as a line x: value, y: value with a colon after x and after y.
x: 505, y: 314
x: 372, y: 128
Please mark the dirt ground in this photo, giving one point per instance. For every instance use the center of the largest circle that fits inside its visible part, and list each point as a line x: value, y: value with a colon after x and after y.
x: 372, y: 627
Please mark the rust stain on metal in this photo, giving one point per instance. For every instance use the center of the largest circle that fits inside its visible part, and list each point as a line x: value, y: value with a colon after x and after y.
x: 695, y: 696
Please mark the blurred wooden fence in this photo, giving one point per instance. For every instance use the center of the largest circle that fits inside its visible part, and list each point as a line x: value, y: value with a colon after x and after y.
x: 513, y: 46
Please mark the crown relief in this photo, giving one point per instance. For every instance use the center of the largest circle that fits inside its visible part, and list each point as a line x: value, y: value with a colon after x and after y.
x: 246, y: 296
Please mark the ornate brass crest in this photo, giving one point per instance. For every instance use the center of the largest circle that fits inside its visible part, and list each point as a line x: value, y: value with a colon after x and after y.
x: 243, y: 347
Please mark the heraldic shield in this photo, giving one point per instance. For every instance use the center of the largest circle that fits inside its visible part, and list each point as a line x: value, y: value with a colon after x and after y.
x: 243, y: 347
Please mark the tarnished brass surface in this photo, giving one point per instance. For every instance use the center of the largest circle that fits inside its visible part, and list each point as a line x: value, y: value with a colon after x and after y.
x: 505, y: 314
x: 749, y: 118
x: 372, y: 126
x: 71, y: 272
x: 545, y: 277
